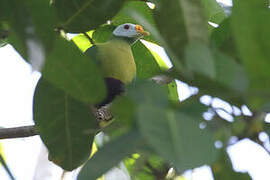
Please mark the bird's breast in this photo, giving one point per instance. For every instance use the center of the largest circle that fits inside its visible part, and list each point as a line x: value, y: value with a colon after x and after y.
x: 117, y: 61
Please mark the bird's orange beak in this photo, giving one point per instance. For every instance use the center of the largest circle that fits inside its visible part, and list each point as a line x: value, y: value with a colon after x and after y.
x: 140, y: 30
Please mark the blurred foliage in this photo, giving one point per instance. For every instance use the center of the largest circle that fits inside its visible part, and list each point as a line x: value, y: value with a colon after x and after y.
x: 222, y: 169
x: 230, y: 61
x: 68, y: 142
x: 3, y: 162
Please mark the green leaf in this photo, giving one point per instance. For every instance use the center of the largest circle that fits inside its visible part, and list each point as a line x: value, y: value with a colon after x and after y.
x: 222, y: 169
x: 146, y: 64
x: 215, y: 13
x: 44, y: 20
x: 124, y: 15
x: 103, y: 33
x: 100, y: 35
x: 155, y: 49
x: 123, y: 110
x: 176, y: 136
x: 84, y: 15
x: 230, y: 73
x: 65, y: 125
x: 173, y: 91
x: 192, y: 107
x: 147, y: 92
x: 82, y: 42
x: 222, y: 38
x: 254, y: 50
x: 266, y: 108
x: 110, y: 155
x: 195, y: 21
x: 199, y: 58
x: 173, y: 32
x: 70, y: 70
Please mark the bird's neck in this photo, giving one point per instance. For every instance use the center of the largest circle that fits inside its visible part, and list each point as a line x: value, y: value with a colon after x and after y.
x: 130, y: 41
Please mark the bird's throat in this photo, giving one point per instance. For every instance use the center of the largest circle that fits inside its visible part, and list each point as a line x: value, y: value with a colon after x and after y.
x: 129, y: 40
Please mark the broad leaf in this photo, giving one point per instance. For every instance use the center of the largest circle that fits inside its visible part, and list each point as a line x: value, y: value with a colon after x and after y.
x: 176, y: 136
x: 70, y: 70
x: 199, y: 58
x: 123, y: 110
x: 44, y: 20
x: 192, y: 107
x: 148, y: 92
x: 195, y: 21
x: 103, y: 33
x: 82, y: 42
x: 84, y: 15
x: 222, y: 38
x: 248, y: 20
x: 110, y: 155
x: 66, y: 126
x: 174, y: 32
x: 146, y: 64
x: 266, y: 107
x: 230, y: 73
x: 124, y: 15
x: 215, y: 13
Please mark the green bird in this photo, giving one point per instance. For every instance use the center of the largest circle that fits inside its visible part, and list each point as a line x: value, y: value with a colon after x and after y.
x: 115, y: 59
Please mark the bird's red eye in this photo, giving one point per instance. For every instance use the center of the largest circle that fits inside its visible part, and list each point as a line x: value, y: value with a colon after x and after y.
x: 126, y: 27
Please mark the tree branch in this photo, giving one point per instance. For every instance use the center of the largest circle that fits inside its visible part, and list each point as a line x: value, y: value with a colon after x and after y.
x: 17, y: 132
x: 101, y: 114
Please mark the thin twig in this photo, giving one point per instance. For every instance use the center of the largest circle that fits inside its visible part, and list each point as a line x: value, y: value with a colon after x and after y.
x: 17, y: 132
x: 89, y: 38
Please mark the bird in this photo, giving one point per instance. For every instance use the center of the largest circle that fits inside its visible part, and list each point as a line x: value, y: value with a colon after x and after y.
x: 115, y: 59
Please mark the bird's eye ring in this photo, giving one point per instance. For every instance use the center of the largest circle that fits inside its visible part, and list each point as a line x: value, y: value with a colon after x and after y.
x: 126, y: 27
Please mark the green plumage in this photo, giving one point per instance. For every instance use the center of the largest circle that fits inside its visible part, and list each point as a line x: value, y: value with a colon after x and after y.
x: 116, y: 63
x: 115, y: 59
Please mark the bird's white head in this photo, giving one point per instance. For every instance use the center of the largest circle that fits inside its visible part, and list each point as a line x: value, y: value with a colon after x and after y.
x: 130, y: 30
